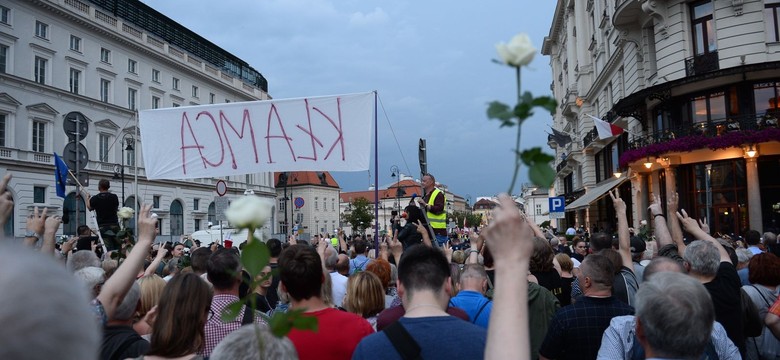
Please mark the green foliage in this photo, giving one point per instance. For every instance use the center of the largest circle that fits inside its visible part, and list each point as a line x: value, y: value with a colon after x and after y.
x: 545, y: 224
x: 230, y: 312
x: 473, y: 219
x: 281, y: 324
x: 255, y: 257
x: 539, y: 170
x: 360, y: 217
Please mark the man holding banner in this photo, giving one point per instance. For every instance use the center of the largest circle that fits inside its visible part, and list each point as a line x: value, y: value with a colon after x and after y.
x: 105, y: 205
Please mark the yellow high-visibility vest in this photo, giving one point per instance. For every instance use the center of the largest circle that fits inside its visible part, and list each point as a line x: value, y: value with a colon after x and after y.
x: 437, y: 221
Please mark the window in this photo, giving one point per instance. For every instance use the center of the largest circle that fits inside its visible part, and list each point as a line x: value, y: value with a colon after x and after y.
x: 40, y: 70
x: 316, y: 203
x: 227, y: 101
x: 175, y: 84
x: 39, y: 194
x: 177, y: 218
x: 3, y: 120
x: 41, y: 30
x: 772, y: 20
x: 156, y: 202
x: 212, y: 213
x: 155, y: 102
x: 104, y: 141
x: 709, y: 107
x: 703, y: 30
x: 197, y: 224
x: 175, y: 105
x: 538, y: 209
x: 194, y: 91
x: 3, y: 58
x: 130, y: 157
x: 5, y: 15
x: 132, y: 66
x: 211, y: 98
x: 75, y: 43
x: 765, y: 96
x: 105, y: 55
x: 132, y: 96
x: 195, y: 204
x: 156, y: 75
x: 38, y: 136
x: 70, y: 206
x: 75, y: 80
x: 105, y: 90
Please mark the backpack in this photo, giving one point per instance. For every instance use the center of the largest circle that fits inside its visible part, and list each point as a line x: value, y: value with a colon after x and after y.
x: 765, y: 345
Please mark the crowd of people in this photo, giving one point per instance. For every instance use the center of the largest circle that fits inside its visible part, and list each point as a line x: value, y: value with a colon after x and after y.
x: 513, y: 291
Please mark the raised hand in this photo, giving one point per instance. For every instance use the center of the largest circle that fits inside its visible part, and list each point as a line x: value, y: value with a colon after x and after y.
x: 6, y: 200
x: 689, y: 224
x: 672, y: 203
x: 655, y: 207
x: 617, y: 202
x: 147, y: 224
x: 52, y: 224
x: 704, y: 225
x: 507, y: 235
x: 36, y: 221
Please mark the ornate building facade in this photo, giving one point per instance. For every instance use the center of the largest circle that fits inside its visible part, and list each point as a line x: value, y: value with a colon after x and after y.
x: 696, y: 86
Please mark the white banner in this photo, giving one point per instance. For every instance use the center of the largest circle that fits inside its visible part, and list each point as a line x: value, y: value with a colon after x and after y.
x: 328, y: 133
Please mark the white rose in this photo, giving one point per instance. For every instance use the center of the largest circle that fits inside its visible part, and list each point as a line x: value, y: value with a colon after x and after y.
x: 519, y: 51
x: 643, y: 223
x: 249, y: 211
x: 125, y: 213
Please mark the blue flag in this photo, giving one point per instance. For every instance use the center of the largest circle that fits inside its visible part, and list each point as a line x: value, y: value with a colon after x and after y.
x: 60, y: 175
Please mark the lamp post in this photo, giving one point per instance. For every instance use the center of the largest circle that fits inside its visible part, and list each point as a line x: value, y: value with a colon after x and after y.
x: 127, y: 144
x: 395, y: 173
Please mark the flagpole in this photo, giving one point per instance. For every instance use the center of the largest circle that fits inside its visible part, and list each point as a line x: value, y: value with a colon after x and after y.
x: 135, y: 174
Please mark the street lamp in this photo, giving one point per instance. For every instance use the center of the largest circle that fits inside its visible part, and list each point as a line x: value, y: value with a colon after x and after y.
x: 127, y: 144
x: 397, y: 175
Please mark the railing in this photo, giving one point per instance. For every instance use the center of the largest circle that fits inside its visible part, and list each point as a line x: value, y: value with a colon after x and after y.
x: 560, y: 166
x: 708, y: 129
x: 589, y: 137
x: 80, y: 6
x: 42, y: 158
x: 108, y: 19
x: 701, y: 64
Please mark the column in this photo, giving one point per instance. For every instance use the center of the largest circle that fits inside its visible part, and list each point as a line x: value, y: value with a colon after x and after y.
x: 753, y: 194
x: 639, y: 194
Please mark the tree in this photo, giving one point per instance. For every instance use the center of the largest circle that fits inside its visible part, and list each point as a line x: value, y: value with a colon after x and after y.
x: 360, y: 217
x: 472, y: 219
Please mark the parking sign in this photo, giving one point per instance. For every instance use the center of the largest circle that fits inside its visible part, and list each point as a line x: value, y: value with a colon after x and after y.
x: 557, y: 204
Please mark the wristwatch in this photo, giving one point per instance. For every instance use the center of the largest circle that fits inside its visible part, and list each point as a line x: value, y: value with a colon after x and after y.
x: 32, y: 234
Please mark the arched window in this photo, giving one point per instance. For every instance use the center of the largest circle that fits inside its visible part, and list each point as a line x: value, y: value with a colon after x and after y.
x: 212, y: 213
x: 8, y: 230
x: 130, y: 202
x: 69, y: 214
x: 177, y: 218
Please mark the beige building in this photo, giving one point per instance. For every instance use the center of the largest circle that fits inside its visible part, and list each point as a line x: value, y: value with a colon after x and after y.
x: 107, y: 60
x: 696, y: 86
x: 307, y: 201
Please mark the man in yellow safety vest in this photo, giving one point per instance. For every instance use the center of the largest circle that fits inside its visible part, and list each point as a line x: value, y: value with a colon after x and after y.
x: 433, y: 203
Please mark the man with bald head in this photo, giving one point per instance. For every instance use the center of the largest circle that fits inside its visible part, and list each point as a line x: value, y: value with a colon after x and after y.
x: 338, y: 281
x: 342, y: 265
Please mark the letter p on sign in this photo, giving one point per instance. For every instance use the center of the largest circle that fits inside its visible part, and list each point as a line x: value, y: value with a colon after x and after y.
x: 557, y: 204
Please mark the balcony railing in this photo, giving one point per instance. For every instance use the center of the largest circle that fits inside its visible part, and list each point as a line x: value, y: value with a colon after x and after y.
x: 589, y: 137
x: 701, y: 64
x: 708, y: 129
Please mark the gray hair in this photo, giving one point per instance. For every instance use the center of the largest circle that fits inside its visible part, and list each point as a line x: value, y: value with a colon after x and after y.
x: 703, y: 257
x: 90, y: 277
x: 744, y: 255
x: 24, y: 274
x: 126, y: 309
x: 243, y: 344
x: 81, y: 259
x: 554, y: 242
x: 475, y: 271
x: 676, y: 313
x: 331, y: 258
x: 770, y: 238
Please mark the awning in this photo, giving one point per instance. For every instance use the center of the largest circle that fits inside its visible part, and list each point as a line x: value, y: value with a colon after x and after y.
x: 595, y: 193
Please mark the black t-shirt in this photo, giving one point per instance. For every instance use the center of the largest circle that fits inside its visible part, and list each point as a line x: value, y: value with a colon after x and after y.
x: 105, y: 205
x: 726, y: 298
x: 567, y: 289
x: 272, y: 296
x: 409, y: 236
x: 124, y: 338
x: 550, y: 280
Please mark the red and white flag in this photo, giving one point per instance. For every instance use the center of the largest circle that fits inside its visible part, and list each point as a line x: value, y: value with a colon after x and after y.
x: 606, y: 130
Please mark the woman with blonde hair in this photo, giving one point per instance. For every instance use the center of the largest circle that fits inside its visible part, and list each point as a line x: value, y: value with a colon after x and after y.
x: 151, y: 289
x: 179, y: 331
x: 365, y: 296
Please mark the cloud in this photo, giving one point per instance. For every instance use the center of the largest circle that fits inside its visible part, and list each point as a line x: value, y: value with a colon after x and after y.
x: 376, y: 17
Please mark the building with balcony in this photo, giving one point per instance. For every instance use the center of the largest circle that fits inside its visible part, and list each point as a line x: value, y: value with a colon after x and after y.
x: 107, y: 59
x: 307, y: 201
x: 696, y: 86
x: 536, y: 203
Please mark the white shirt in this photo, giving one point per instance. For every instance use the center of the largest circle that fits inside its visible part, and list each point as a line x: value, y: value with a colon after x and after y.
x: 339, y: 286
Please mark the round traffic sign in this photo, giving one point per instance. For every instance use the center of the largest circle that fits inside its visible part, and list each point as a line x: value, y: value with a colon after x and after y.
x: 69, y: 155
x: 76, y: 126
x: 298, y: 202
x: 221, y: 187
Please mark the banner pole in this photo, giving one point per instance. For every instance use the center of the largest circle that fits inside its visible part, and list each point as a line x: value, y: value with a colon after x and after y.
x: 376, y: 176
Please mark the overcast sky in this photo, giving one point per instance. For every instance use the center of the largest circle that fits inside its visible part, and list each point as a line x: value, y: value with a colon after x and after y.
x: 430, y: 62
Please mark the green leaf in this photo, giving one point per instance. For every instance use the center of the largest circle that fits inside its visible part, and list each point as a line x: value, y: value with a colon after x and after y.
x: 230, y: 313
x: 282, y: 323
x: 541, y: 174
x: 255, y: 257
x: 546, y: 102
x: 498, y: 110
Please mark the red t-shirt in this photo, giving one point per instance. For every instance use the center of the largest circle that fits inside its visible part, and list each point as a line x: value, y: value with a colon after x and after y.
x: 338, y: 333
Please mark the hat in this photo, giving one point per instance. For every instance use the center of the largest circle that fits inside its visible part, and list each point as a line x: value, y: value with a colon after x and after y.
x: 637, y: 245
x: 571, y: 231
